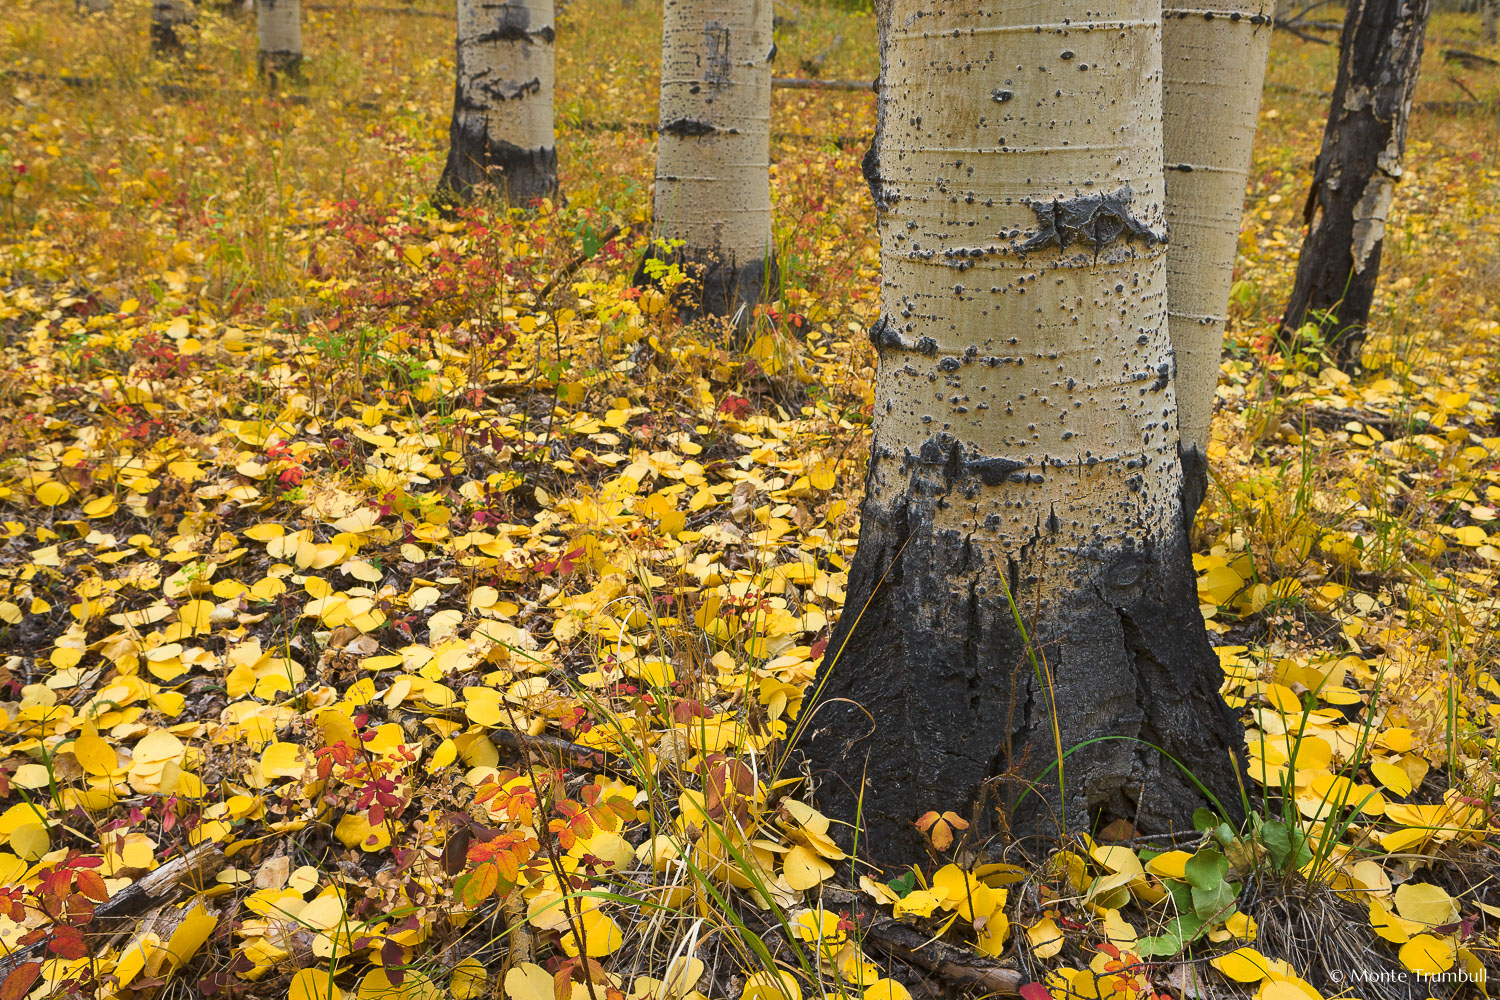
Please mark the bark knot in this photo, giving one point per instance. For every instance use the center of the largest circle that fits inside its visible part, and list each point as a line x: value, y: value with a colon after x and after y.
x: 1097, y: 219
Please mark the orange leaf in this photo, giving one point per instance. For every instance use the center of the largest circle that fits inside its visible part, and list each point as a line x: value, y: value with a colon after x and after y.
x: 19, y: 982
x: 91, y: 885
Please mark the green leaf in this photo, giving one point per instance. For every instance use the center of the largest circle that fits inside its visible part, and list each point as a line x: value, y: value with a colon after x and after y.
x: 1215, y: 903
x: 1163, y: 945
x: 1173, y: 937
x: 904, y: 885
x: 1204, y: 819
x: 1206, y: 869
x: 1301, y: 853
x: 1275, y: 837
x: 1182, y: 894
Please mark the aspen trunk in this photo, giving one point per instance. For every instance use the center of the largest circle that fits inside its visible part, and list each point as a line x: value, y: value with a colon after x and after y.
x: 501, y: 138
x: 1354, y: 178
x: 1214, y: 56
x: 713, y: 154
x: 168, y: 18
x: 1025, y: 443
x: 1490, y: 20
x: 279, y: 25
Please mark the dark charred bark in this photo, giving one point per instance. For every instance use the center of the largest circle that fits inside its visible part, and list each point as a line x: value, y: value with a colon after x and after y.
x: 1194, y: 483
x: 167, y: 21
x: 276, y: 67
x: 715, y: 286
x: 959, y: 716
x: 478, y: 165
x: 1356, y: 172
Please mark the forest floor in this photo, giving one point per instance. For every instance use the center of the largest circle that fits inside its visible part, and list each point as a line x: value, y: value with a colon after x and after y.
x: 448, y: 605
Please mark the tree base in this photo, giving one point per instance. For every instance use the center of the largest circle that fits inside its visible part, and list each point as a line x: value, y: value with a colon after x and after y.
x: 166, y: 41
x: 478, y: 166
x: 936, y: 697
x: 277, y: 67
x: 716, y: 287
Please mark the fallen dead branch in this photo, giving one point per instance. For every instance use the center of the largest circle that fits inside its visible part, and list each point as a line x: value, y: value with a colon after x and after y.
x: 190, y: 872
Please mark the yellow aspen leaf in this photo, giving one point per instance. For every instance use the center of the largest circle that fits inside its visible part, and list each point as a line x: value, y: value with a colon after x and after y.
x: 468, y: 979
x: 196, y: 615
x: 1283, y: 989
x: 30, y: 841
x: 1388, y: 925
x: 445, y: 754
x: 31, y: 776
x: 1172, y: 864
x: 1425, y: 904
x: 313, y: 984
x: 528, y: 981
x: 1118, y: 859
x: 157, y: 747
x: 483, y: 707
x: 778, y: 985
x: 919, y: 903
x: 601, y: 935
x: 1243, y: 965
x: 190, y: 935
x: 887, y: 989
x: 1471, y: 535
x: 1046, y: 938
x: 1428, y: 955
x: 964, y: 893
x: 1241, y: 925
x: 282, y: 760
x: 100, y: 507
x: 1119, y: 931
x: 95, y: 756
x: 804, y: 869
x: 1391, y: 777
x: 52, y: 493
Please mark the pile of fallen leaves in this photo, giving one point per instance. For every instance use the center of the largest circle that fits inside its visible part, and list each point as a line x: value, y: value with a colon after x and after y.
x: 400, y: 606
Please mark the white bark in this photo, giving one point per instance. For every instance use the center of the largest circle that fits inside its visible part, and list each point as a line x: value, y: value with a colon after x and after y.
x: 502, y: 130
x: 1007, y: 329
x: 1490, y: 20
x: 1214, y: 53
x: 713, y: 186
x: 279, y: 25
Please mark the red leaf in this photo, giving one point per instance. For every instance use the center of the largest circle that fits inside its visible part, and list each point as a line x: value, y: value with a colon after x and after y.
x: 67, y: 942
x: 20, y: 980
x: 1035, y: 991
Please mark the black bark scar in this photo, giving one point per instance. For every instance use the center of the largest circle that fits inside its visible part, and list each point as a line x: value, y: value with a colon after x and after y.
x: 512, y: 32
x: 688, y: 127
x: 1100, y: 219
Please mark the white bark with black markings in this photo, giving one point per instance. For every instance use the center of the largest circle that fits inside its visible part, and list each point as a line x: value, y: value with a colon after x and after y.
x: 279, y: 28
x: 1214, y: 55
x: 1025, y: 442
x: 501, y: 138
x: 713, y: 186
